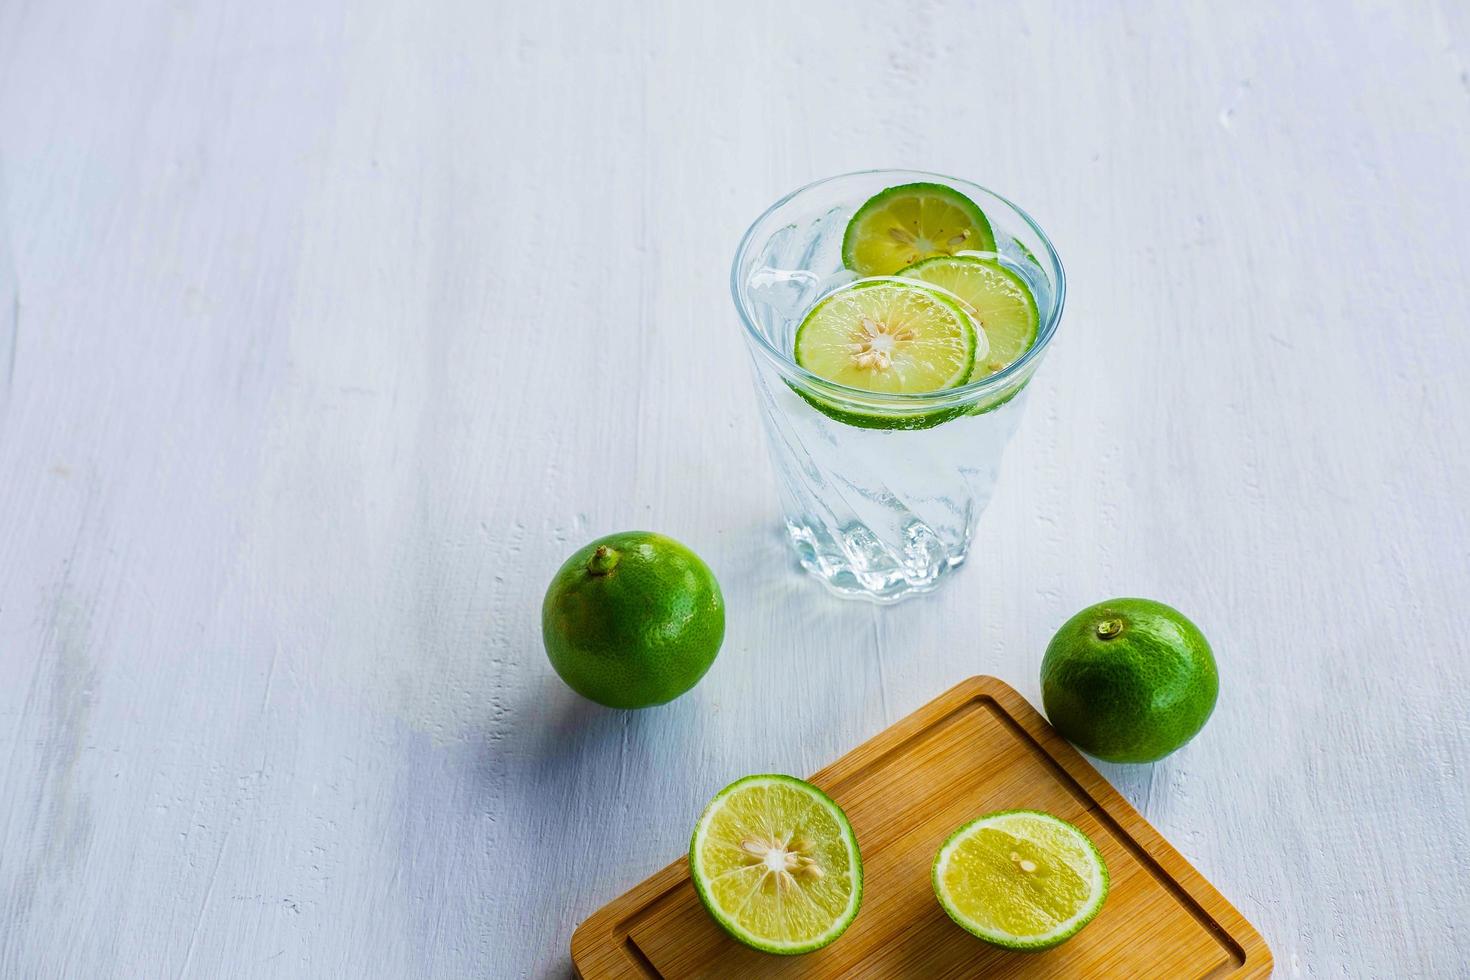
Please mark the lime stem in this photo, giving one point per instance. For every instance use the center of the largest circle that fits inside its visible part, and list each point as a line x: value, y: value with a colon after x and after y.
x: 603, y: 560
x: 1109, y: 628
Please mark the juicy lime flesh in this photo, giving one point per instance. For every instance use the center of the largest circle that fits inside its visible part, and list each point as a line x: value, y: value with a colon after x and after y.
x: 1021, y: 879
x: 775, y: 862
x: 888, y: 336
x: 998, y: 300
x: 901, y: 225
x: 642, y: 631
x: 1129, y: 680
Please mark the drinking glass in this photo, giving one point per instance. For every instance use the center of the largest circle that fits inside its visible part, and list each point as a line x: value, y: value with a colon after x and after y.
x: 880, y: 493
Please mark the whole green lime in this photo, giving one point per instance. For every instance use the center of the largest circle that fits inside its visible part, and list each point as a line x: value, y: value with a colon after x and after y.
x: 632, y: 620
x: 1129, y: 680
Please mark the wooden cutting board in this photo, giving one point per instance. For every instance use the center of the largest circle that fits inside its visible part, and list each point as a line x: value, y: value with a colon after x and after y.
x: 977, y: 748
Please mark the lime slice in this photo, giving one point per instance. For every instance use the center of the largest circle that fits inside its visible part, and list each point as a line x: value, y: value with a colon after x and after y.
x: 776, y: 863
x: 997, y: 299
x: 889, y: 336
x: 901, y: 225
x: 1020, y: 879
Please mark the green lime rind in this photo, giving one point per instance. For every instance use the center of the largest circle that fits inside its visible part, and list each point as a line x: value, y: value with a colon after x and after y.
x: 939, y: 220
x: 763, y: 943
x: 865, y: 420
x: 641, y: 631
x: 1029, y: 255
x: 996, y: 401
x: 920, y: 420
x: 1027, y: 944
x: 1129, y: 680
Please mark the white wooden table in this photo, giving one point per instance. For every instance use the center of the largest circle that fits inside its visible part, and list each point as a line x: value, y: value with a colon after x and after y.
x: 342, y: 323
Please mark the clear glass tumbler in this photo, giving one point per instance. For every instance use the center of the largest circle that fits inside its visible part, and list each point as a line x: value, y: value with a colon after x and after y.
x: 881, y: 492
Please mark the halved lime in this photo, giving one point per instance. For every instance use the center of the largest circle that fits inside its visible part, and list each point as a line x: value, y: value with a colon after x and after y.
x: 997, y: 299
x: 889, y: 336
x: 1021, y: 879
x: 901, y: 225
x: 776, y: 864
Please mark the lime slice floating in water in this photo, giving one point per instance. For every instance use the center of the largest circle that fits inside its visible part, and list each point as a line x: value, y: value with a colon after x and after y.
x: 999, y: 301
x: 889, y: 336
x: 776, y: 864
x: 1020, y: 879
x: 901, y: 225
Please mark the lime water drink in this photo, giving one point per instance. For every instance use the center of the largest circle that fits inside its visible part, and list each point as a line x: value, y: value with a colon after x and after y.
x: 894, y: 319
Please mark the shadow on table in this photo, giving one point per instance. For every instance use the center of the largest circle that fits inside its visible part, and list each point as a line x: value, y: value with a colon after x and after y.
x: 560, y: 768
x: 1142, y: 785
x: 564, y: 726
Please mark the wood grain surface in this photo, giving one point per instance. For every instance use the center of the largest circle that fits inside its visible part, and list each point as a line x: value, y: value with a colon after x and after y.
x: 342, y: 323
x: 976, y: 749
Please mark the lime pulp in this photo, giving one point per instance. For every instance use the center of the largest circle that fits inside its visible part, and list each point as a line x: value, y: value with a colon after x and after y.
x: 998, y: 300
x: 1020, y: 879
x: 901, y: 225
x: 889, y: 336
x: 776, y: 864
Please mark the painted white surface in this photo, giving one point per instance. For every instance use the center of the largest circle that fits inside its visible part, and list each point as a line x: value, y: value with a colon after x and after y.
x: 341, y: 323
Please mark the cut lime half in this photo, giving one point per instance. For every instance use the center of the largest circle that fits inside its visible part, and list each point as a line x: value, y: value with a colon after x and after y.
x: 776, y: 864
x: 1020, y: 879
x: 901, y: 225
x: 889, y: 336
x: 997, y: 299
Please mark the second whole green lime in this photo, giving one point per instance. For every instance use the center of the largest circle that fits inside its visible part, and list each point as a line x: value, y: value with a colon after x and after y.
x: 1129, y: 680
x: 632, y: 620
